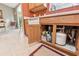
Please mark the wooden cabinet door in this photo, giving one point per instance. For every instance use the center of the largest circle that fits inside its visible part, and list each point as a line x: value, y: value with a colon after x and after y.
x: 31, y: 6
x: 77, y: 41
x: 34, y: 33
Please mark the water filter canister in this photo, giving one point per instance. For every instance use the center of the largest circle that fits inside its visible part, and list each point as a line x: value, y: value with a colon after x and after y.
x: 61, y: 38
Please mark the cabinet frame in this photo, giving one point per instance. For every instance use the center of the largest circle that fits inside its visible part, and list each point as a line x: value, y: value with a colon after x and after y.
x: 72, y: 20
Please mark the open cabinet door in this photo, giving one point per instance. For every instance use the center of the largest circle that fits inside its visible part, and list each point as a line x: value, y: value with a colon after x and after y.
x: 33, y: 33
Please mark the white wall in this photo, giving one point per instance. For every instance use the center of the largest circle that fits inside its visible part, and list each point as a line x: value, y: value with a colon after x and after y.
x: 7, y: 12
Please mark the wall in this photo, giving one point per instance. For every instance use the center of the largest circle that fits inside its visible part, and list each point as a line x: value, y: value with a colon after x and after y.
x: 64, y: 10
x: 7, y: 12
x: 25, y: 9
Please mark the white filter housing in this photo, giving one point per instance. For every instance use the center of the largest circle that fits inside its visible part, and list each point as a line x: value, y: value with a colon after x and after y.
x: 61, y: 38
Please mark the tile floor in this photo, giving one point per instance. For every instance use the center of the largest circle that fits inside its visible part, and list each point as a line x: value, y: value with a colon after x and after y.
x: 14, y: 43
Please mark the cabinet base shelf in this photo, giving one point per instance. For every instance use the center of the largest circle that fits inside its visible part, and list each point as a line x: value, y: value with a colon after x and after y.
x: 60, y: 49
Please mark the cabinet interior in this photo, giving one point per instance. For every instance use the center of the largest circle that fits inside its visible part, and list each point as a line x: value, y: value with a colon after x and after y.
x: 71, y: 36
x: 46, y: 33
x: 70, y: 39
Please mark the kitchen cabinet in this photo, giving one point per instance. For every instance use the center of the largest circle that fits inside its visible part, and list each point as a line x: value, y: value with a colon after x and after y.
x: 35, y: 30
x: 36, y: 7
x: 64, y: 21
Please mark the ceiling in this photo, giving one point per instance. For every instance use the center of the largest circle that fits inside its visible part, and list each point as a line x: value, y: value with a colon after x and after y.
x: 12, y: 5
